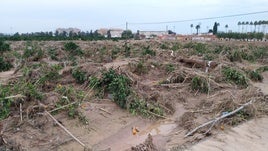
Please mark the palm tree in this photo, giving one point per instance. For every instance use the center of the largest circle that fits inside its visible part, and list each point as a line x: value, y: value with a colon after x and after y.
x: 263, y: 26
x: 191, y: 28
x: 246, y: 26
x: 259, y: 25
x: 226, y: 26
x: 243, y: 23
x: 251, y: 24
x: 197, y: 27
x: 255, y: 24
x: 239, y: 24
x: 266, y: 23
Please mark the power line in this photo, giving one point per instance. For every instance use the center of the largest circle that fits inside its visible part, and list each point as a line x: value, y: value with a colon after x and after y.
x: 198, y: 19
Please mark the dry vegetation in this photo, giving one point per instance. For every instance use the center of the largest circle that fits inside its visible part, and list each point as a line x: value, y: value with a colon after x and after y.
x: 147, y: 78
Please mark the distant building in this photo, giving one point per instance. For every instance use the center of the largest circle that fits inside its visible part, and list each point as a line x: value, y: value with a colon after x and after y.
x: 103, y: 32
x: 152, y: 34
x: 113, y: 32
x: 116, y: 33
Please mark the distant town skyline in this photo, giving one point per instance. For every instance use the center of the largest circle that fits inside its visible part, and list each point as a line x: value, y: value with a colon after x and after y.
x: 35, y: 16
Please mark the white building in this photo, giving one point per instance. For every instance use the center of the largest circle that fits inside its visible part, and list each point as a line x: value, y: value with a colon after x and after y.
x: 152, y: 34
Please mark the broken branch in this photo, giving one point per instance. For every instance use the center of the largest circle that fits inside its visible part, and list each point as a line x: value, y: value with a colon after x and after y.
x: 82, y: 144
x: 219, y: 118
x: 102, y: 109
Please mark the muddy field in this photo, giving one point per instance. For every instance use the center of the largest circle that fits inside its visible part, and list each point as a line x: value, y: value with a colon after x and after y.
x: 133, y: 95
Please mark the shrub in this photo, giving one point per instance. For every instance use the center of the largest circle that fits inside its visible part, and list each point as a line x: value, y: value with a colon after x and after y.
x: 148, y: 51
x: 164, y: 46
x: 141, y: 68
x: 79, y: 76
x: 260, y: 53
x: 144, y: 108
x: 235, y: 56
x: 73, y: 48
x: 28, y: 52
x: 53, y: 54
x: 262, y: 69
x: 235, y: 76
x: 170, y: 68
x: 118, y: 85
x: 255, y: 76
x: 4, y: 46
x: 70, y: 46
x: 200, y: 84
x: 176, y: 46
x: 33, y: 51
x: 4, y: 66
x: 4, y: 103
x: 200, y: 48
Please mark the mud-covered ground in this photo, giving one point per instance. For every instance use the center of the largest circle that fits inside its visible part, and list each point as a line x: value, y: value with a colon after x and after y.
x: 183, y: 85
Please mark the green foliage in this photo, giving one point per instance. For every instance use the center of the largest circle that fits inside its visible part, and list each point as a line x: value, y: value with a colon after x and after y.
x: 188, y: 45
x: 4, y: 66
x: 117, y: 85
x: 22, y: 87
x: 4, y: 46
x: 164, y: 46
x: 80, y: 76
x: 235, y: 56
x: 70, y: 94
x: 255, y: 76
x: 70, y: 46
x: 249, y: 55
x: 71, y: 109
x: 176, y: 46
x: 200, y: 84
x: 33, y: 51
x: 170, y: 68
x: 209, y: 56
x: 262, y: 69
x: 120, y: 90
x: 127, y: 50
x: 219, y: 49
x: 115, y: 51
x: 48, y: 73
x: 30, y: 90
x: 200, y: 48
x: 144, y: 108
x: 141, y: 68
x: 28, y: 52
x: 4, y: 103
x: 53, y: 54
x: 260, y: 52
x: 94, y: 82
x: 73, y: 48
x: 127, y: 34
x: 234, y: 35
x: 235, y: 76
x: 148, y: 51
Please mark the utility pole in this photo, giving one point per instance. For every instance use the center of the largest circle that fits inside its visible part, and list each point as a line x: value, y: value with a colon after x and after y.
x: 126, y: 25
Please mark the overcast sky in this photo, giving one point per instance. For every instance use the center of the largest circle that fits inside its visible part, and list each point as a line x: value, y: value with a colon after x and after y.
x: 47, y: 15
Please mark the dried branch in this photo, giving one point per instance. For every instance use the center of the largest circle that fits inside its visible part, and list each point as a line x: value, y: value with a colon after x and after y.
x: 219, y: 118
x: 102, y: 109
x: 82, y: 144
